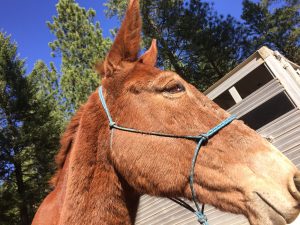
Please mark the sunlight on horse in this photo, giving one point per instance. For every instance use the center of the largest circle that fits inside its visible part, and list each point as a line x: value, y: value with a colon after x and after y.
x: 99, y: 180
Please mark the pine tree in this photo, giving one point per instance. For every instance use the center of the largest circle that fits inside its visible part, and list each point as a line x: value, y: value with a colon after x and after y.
x: 80, y: 43
x: 276, y: 27
x: 30, y: 125
x: 14, y: 107
x: 45, y: 126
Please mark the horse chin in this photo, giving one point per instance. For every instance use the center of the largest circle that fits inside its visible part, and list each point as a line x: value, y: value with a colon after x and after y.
x: 266, y: 213
x: 268, y: 219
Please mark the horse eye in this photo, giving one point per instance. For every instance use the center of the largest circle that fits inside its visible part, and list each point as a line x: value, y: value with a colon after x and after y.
x: 176, y: 88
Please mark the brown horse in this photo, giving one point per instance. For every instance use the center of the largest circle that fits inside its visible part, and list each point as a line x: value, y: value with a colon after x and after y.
x: 100, y: 180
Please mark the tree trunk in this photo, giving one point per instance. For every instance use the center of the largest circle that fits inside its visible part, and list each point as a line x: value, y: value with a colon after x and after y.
x: 25, y: 220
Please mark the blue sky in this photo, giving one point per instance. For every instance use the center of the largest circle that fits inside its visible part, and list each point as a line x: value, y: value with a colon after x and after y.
x: 26, y: 20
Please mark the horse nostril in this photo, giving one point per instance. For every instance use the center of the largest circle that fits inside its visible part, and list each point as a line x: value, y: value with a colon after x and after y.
x: 297, y: 181
x: 294, y: 186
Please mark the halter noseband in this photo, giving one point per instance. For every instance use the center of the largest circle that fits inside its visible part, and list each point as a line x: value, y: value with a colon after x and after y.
x: 201, y: 139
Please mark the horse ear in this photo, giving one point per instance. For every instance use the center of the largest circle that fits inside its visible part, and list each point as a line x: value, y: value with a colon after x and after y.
x: 150, y: 56
x: 127, y: 42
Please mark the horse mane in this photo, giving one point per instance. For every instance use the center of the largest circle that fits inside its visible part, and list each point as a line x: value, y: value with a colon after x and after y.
x: 66, y: 144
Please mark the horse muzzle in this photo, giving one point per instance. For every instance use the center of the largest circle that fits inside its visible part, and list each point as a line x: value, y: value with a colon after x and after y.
x: 275, y: 191
x: 275, y: 206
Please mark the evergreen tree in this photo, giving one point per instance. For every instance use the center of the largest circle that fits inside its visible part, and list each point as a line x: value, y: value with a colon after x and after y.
x: 14, y: 107
x: 45, y: 126
x: 80, y: 43
x: 30, y: 125
x: 276, y: 27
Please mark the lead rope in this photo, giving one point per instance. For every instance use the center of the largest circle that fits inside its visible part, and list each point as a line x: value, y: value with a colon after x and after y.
x: 202, y: 139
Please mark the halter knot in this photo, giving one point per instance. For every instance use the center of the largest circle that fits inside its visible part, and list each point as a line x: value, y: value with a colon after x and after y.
x: 202, y: 219
x: 204, y: 137
x: 112, y: 124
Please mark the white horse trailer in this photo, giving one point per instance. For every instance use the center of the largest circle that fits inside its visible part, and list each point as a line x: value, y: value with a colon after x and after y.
x: 264, y: 92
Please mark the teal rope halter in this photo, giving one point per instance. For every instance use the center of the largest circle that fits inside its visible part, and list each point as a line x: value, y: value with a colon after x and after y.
x: 201, y: 138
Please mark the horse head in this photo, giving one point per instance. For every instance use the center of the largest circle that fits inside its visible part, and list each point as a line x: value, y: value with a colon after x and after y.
x: 237, y: 170
x: 108, y: 169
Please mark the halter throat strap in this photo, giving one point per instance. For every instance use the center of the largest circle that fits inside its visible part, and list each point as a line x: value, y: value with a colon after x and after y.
x: 201, y: 139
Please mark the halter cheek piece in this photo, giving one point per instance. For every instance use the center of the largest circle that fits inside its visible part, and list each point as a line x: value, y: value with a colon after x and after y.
x: 201, y: 139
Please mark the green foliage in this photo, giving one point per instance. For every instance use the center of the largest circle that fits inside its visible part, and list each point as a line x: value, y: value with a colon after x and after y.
x: 80, y: 43
x: 30, y: 125
x: 116, y: 8
x: 9, y: 212
x: 276, y: 27
x: 267, y: 3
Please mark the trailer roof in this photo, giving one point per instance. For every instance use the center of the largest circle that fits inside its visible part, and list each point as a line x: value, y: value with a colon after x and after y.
x: 261, y: 53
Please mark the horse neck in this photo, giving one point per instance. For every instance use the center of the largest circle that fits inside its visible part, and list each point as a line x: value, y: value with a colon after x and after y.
x: 95, y: 193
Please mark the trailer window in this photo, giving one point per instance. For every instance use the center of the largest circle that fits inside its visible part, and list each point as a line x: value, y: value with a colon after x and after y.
x: 253, y: 81
x: 268, y: 111
x: 225, y: 100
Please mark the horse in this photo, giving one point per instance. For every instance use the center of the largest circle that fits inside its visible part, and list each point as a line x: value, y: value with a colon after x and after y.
x: 102, y: 172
